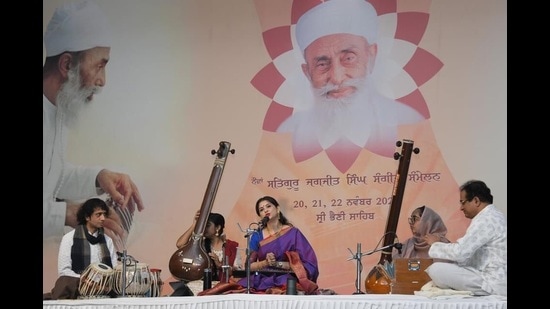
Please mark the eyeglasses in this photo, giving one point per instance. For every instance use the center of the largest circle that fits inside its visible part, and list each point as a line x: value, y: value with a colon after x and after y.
x: 413, y: 219
x: 462, y: 202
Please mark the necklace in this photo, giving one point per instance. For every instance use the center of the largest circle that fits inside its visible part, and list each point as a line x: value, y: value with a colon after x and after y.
x: 276, y: 234
x: 219, y: 254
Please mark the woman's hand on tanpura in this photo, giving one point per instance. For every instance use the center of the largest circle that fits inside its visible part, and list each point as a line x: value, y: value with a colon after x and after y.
x: 216, y: 260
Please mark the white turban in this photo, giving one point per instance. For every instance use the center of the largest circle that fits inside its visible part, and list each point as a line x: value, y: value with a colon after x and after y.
x: 77, y: 26
x: 337, y: 16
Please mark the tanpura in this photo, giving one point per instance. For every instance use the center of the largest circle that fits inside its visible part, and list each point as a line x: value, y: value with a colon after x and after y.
x: 379, y: 280
x: 189, y: 262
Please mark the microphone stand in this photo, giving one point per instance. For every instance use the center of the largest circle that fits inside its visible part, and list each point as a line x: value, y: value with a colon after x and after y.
x: 123, y: 260
x: 248, y: 232
x: 123, y: 283
x: 357, y: 256
x: 124, y: 257
x: 225, y: 268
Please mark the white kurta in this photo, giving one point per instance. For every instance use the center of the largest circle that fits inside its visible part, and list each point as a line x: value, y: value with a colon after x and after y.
x: 64, y: 261
x: 78, y: 182
x: 483, y: 249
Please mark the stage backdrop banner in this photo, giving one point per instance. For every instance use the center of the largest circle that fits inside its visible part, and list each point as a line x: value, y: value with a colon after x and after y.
x: 185, y: 75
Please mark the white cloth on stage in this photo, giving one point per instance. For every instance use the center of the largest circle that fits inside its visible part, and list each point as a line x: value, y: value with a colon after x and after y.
x: 432, y: 291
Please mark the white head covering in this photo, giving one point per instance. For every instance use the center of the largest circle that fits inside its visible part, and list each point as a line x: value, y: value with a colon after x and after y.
x: 337, y: 16
x: 77, y: 26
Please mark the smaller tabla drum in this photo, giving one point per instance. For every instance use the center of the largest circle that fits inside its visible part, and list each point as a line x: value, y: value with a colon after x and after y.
x: 96, y: 281
x: 138, y: 280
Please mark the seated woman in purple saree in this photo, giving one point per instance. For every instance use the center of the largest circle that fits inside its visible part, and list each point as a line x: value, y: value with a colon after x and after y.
x: 279, y: 251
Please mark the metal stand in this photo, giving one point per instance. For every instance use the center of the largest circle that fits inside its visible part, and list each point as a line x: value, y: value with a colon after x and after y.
x: 225, y: 268
x: 247, y: 235
x: 123, y: 259
x: 357, y: 256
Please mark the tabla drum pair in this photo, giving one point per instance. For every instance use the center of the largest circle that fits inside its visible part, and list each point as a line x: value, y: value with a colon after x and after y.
x: 138, y: 280
x: 96, y: 281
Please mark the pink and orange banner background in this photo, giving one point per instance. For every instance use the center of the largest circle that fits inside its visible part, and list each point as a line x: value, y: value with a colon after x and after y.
x: 187, y: 74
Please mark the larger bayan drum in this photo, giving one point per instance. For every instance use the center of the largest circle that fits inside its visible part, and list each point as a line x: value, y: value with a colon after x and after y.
x: 138, y: 280
x: 96, y: 281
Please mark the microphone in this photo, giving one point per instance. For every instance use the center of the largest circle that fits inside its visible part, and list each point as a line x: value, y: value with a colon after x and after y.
x: 398, y: 246
x: 262, y: 223
x: 123, y: 256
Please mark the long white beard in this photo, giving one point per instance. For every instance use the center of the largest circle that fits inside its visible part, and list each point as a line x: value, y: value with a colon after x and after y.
x: 72, y: 96
x: 365, y: 119
x: 334, y: 118
x: 328, y: 119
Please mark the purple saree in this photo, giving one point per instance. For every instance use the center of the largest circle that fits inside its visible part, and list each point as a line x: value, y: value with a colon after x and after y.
x: 289, y: 239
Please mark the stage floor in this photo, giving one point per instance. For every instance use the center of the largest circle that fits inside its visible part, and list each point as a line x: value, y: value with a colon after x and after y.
x: 265, y: 301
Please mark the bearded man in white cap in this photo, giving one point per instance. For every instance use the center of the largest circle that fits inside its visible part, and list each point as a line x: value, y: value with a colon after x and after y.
x: 338, y: 40
x: 77, y: 41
